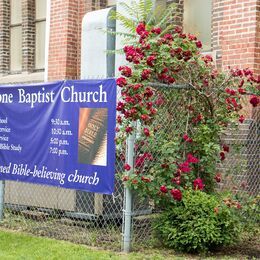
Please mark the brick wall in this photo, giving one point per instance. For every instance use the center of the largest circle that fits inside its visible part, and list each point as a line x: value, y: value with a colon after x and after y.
x: 257, y: 39
x: 28, y: 39
x: 65, y: 36
x: 4, y: 36
x: 179, y: 10
x: 235, y: 33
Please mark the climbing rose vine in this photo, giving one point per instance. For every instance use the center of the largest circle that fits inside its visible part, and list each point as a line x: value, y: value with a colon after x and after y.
x: 212, y: 103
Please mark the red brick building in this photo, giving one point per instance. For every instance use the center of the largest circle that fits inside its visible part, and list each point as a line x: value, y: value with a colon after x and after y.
x: 40, y: 39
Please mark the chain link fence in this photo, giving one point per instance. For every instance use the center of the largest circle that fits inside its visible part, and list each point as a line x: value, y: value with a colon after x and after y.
x: 96, y: 219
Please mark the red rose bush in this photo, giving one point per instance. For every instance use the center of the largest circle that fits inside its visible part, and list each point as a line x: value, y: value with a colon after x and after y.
x: 168, y: 163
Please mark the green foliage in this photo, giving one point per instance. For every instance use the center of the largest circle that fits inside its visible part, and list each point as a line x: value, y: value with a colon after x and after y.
x: 199, y: 223
x: 143, y: 11
x: 249, y: 213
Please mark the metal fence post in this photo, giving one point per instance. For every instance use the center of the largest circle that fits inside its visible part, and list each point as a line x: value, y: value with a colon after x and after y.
x: 127, y: 213
x: 2, y: 188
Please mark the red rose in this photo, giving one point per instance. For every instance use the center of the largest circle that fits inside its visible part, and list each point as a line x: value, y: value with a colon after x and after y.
x: 145, y: 179
x: 146, y: 132
x: 148, y: 92
x: 120, y: 106
x: 238, y: 205
x: 156, y: 30
x: 218, y: 177
x: 132, y: 111
x: 137, y: 86
x: 206, y: 82
x: 197, y: 119
x: 199, y: 44
x: 144, y: 117
x: 149, y: 104
x: 227, y: 90
x: 129, y: 129
x: 168, y: 37
x: 140, y: 28
x: 143, y: 36
x: 136, y: 60
x: 176, y: 194
x: 236, y: 72
x: 187, y: 138
x: 192, y: 159
x: 127, y: 167
x: 198, y: 184
x: 192, y: 37
x: 222, y: 156
x: 178, y: 29
x: 150, y: 60
x: 162, y: 76
x: 126, y: 71
x: 254, y: 100
x: 148, y: 156
x: 184, y: 167
x: 121, y: 82
x: 163, y: 189
x: 241, y: 119
x: 159, y: 101
x: 133, y: 54
x: 170, y: 80
x: 187, y: 53
x: 177, y: 180
x: 138, y: 97
x: 125, y: 178
x: 153, y: 111
x: 226, y: 148
x: 145, y: 74
x: 232, y: 92
x: 146, y: 46
x: 177, y: 173
x: 247, y: 72
x: 178, y: 50
x: 241, y: 83
x: 241, y: 91
x: 207, y: 59
x: 139, y: 161
x: 129, y: 99
x: 119, y: 119
x: 234, y: 102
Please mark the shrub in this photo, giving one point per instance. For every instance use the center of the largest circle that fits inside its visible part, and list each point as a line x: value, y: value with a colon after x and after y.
x: 200, y: 222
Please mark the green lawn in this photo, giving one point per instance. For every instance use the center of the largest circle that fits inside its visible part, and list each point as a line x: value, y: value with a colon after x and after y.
x: 20, y: 246
x: 15, y: 245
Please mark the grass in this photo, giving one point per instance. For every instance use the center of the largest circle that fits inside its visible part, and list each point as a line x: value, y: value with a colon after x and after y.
x: 16, y: 245
x: 19, y: 246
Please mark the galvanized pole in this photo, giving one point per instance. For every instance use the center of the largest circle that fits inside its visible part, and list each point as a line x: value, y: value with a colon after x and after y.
x: 127, y: 224
x: 2, y: 189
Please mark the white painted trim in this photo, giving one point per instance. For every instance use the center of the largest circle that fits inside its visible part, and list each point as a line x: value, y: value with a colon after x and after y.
x: 47, y: 38
x: 22, y: 78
